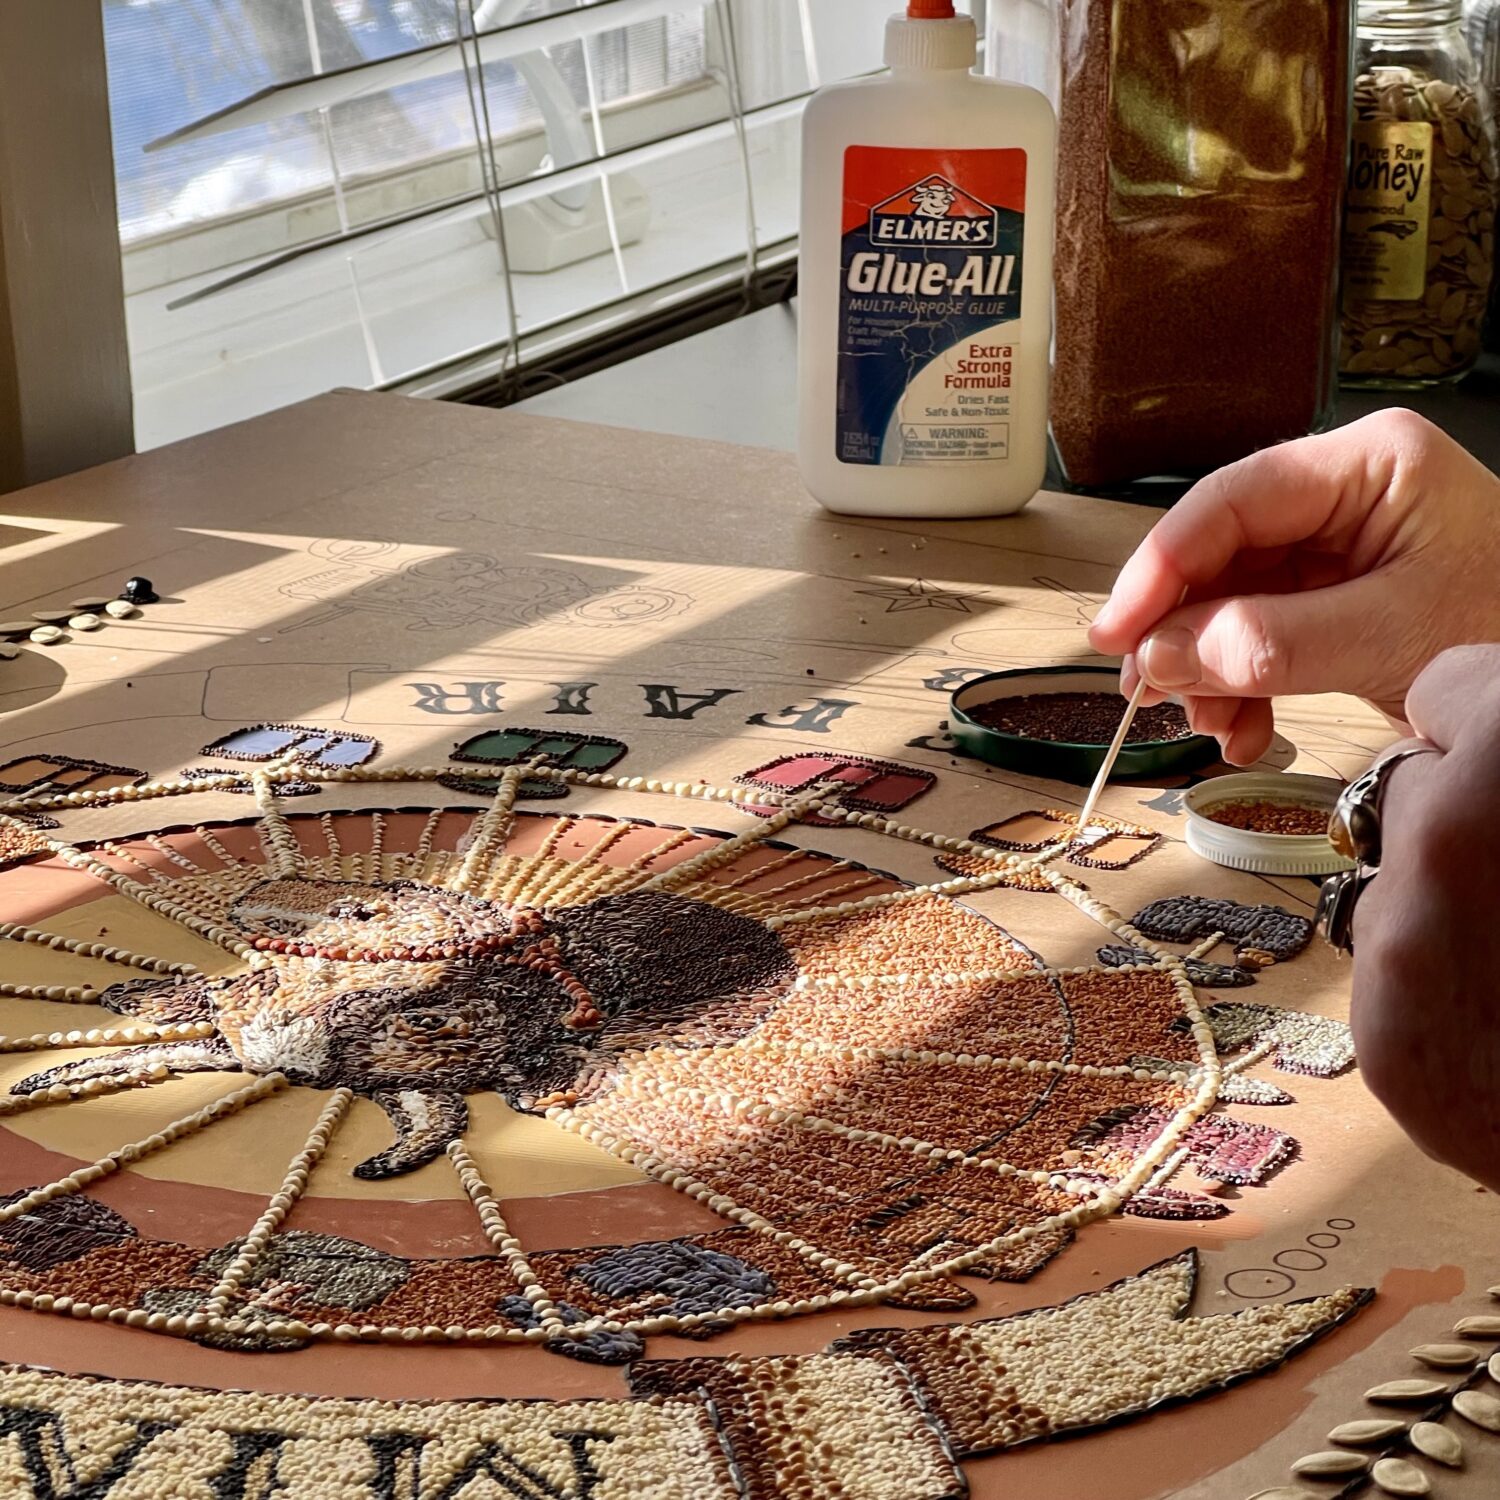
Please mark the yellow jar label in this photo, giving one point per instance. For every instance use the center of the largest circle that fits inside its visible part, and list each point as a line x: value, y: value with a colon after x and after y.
x: 1386, y: 211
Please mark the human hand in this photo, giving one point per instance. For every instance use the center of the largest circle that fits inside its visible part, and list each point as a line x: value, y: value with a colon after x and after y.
x: 1338, y: 563
x: 1425, y: 1012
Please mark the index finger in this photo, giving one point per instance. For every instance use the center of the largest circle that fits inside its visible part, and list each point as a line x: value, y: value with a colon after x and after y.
x: 1303, y: 491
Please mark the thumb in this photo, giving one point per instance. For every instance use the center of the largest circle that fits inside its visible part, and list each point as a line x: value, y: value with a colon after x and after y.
x: 1267, y: 645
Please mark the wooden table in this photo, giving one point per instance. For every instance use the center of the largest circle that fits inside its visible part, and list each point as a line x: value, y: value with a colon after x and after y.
x: 393, y: 579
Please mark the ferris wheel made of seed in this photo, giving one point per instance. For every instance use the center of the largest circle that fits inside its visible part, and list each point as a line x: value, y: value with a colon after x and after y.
x: 725, y: 1066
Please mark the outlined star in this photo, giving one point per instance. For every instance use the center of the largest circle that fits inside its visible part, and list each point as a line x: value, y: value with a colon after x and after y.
x: 919, y: 594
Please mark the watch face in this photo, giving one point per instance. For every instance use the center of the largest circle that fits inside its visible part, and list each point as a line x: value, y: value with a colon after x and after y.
x: 1335, y: 915
x: 1338, y: 833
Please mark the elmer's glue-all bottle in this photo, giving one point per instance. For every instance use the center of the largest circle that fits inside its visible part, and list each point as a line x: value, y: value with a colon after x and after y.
x: 926, y: 282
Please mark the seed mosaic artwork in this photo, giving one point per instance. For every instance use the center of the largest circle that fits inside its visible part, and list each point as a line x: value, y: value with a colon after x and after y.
x: 864, y: 784
x: 1108, y: 844
x: 880, y: 1413
x: 28, y: 773
x: 510, y: 747
x: 878, y: 1092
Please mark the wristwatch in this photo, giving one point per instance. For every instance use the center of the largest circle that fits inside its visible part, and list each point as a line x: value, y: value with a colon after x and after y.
x: 1354, y: 830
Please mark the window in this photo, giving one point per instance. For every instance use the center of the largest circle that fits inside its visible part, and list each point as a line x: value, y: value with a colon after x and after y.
x: 220, y: 52
x: 405, y: 193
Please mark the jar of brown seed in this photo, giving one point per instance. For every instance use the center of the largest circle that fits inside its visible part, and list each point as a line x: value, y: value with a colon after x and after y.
x: 1200, y: 188
x: 1482, y: 26
x: 1419, y: 212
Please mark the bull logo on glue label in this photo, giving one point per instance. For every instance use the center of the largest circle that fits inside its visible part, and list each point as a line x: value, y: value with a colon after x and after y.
x: 934, y: 198
x: 935, y: 211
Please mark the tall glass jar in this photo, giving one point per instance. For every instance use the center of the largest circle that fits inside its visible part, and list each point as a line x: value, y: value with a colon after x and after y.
x: 1483, y: 28
x: 1419, y: 224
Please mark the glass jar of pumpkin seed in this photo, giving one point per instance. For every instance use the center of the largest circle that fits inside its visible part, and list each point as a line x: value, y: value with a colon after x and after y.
x: 1419, y: 209
x: 1482, y: 26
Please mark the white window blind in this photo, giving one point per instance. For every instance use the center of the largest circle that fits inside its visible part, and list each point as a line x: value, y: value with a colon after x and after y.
x: 419, y: 193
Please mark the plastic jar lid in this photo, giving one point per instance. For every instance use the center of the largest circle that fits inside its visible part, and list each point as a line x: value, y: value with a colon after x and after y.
x: 1264, y: 853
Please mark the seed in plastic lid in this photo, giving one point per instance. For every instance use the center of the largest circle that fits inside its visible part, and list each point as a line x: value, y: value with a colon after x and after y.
x: 1263, y: 850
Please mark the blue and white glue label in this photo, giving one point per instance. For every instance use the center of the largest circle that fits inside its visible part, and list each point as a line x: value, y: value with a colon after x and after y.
x: 929, y: 304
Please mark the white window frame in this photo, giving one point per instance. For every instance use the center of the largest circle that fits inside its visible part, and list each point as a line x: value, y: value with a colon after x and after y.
x: 177, y: 255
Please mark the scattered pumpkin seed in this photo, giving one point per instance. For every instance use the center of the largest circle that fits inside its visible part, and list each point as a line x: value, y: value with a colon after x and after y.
x: 1445, y: 1356
x: 1480, y: 1409
x: 1480, y: 1326
x: 85, y: 622
x: 51, y: 616
x: 1370, y: 1430
x: 46, y: 635
x: 1330, y: 1464
x: 1401, y: 1391
x: 1396, y: 1476
x: 1437, y: 1443
x: 120, y: 609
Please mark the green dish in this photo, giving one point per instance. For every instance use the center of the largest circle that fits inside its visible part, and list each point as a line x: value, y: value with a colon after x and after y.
x: 1058, y: 760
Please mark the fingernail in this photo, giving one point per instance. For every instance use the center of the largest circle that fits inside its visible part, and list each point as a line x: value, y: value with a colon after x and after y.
x: 1169, y: 659
x: 1102, y: 615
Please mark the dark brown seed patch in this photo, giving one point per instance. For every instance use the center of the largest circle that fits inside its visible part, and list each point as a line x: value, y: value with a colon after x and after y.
x: 1079, y: 718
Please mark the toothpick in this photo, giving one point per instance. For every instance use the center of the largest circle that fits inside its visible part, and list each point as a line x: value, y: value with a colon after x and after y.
x: 1111, y: 756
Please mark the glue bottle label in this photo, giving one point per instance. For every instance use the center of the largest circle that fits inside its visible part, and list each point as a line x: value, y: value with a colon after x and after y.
x: 929, y: 304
